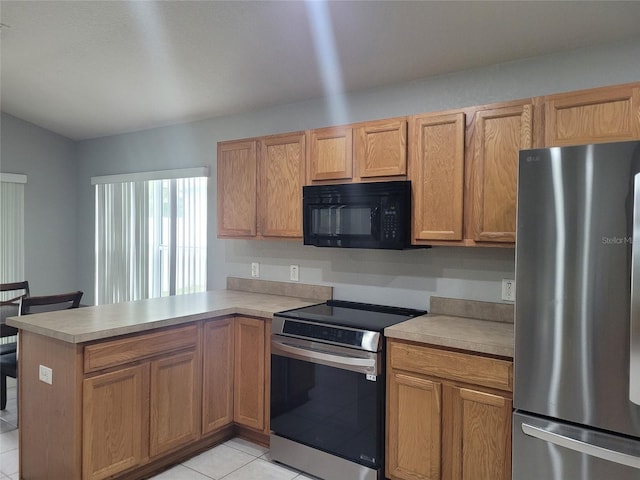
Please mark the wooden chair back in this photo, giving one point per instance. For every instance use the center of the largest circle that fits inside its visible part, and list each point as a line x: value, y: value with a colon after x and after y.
x: 13, y: 287
x: 10, y: 294
x: 47, y: 303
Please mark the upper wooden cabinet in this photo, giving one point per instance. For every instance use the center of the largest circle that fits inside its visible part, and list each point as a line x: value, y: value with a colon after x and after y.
x: 330, y: 154
x: 498, y: 135
x: 281, y: 167
x: 237, y: 188
x: 260, y: 186
x: 380, y: 148
x: 360, y: 152
x: 606, y: 114
x: 436, y: 171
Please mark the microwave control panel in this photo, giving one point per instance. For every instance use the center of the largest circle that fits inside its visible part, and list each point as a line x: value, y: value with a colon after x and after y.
x: 390, y: 223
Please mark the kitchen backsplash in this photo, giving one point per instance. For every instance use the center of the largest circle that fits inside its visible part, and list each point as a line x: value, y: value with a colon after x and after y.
x: 493, y: 311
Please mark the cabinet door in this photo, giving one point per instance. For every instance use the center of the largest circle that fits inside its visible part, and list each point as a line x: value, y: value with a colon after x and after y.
x: 330, y: 153
x: 608, y: 114
x: 478, y: 446
x: 175, y: 401
x: 499, y: 134
x: 217, y: 371
x: 436, y: 171
x: 115, y: 422
x: 381, y: 148
x: 413, y: 427
x: 249, y: 377
x: 237, y: 189
x: 282, y: 160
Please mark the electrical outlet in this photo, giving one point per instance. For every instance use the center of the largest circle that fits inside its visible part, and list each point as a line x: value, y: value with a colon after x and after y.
x: 294, y: 273
x: 46, y: 374
x: 255, y: 269
x: 508, y: 290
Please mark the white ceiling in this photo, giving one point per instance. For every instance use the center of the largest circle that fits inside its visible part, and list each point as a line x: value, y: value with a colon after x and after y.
x: 86, y: 69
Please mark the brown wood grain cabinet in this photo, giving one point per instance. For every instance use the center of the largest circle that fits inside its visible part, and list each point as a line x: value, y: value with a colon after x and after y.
x: 260, y: 187
x: 217, y: 374
x: 175, y: 401
x: 237, y: 188
x: 414, y: 427
x: 282, y: 174
x: 606, y: 114
x: 366, y: 151
x: 249, y: 373
x: 330, y: 154
x: 498, y: 136
x: 448, y: 414
x: 115, y: 433
x: 128, y: 406
x: 380, y: 148
x: 140, y: 411
x: 436, y: 170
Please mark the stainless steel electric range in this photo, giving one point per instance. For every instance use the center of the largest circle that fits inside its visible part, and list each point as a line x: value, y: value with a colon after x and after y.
x: 328, y: 388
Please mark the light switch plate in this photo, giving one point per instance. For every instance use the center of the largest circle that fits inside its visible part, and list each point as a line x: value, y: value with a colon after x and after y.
x: 255, y: 269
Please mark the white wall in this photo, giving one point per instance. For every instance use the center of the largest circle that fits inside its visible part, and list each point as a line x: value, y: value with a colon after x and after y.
x: 397, y: 278
x: 50, y: 203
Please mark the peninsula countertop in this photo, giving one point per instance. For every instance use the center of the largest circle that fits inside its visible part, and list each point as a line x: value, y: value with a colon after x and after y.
x: 104, y: 321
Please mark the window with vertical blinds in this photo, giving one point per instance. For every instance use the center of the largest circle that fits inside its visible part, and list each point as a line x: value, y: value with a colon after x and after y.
x: 151, y: 235
x: 12, y: 229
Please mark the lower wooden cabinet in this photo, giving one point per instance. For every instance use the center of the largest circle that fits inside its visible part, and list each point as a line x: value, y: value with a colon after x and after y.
x: 235, y: 363
x: 414, y: 427
x: 144, y: 410
x: 476, y: 434
x: 115, y: 430
x: 175, y: 401
x: 126, y: 407
x: 438, y: 425
x: 249, y: 373
x: 217, y: 374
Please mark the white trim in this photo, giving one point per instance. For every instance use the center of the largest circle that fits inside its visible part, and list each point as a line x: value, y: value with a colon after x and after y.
x: 157, y: 175
x: 13, y: 178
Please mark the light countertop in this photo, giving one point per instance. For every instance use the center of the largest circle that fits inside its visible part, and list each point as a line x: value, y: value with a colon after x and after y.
x: 482, y: 336
x: 104, y: 321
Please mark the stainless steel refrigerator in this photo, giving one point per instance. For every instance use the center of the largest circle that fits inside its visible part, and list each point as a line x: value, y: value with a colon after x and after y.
x: 577, y: 355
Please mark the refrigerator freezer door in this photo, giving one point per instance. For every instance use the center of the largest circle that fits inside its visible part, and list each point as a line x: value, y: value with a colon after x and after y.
x: 546, y: 450
x: 573, y: 281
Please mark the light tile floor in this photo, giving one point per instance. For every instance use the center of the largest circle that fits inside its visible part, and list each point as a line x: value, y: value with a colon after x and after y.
x: 237, y: 459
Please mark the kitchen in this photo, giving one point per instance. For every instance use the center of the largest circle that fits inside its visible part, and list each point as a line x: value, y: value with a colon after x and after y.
x: 406, y: 278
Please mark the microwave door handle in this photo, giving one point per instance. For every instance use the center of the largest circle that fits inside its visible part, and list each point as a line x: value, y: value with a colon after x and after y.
x: 634, y: 320
x: 375, y: 223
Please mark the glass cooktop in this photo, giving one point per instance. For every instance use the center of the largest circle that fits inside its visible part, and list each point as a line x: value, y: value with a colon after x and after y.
x: 363, y: 316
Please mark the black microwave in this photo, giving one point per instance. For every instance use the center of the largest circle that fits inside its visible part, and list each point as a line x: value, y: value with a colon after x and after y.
x: 358, y: 215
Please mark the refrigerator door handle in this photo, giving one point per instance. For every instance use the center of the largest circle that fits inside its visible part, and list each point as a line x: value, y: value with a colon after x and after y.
x: 581, y: 447
x: 634, y: 320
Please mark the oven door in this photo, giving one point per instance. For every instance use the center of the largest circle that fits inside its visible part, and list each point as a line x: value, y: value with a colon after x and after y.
x: 328, y: 397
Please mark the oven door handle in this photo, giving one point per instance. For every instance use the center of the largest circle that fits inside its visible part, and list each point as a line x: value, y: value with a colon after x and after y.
x: 355, y: 364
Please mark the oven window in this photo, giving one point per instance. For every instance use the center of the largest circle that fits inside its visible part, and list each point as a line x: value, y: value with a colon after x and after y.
x: 334, y: 410
x: 340, y: 220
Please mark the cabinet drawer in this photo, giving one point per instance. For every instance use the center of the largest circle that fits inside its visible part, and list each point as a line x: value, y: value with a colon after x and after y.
x: 467, y: 368
x: 130, y: 349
